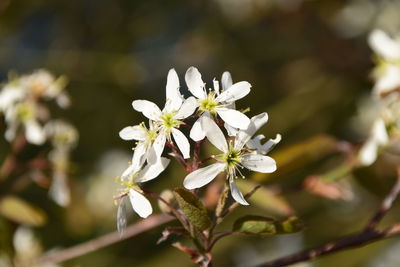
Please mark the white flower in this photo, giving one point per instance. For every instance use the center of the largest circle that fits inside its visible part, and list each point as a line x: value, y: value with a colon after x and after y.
x: 170, y: 118
x: 378, y: 137
x: 64, y: 137
x: 24, y: 113
x: 213, y: 102
x: 145, y: 140
x: 234, y: 157
x: 42, y: 83
x: 387, y: 72
x: 134, y: 175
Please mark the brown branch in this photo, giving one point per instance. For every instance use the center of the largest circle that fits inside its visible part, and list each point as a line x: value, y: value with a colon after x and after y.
x: 104, y: 241
x: 351, y: 241
x: 386, y: 204
x: 368, y: 235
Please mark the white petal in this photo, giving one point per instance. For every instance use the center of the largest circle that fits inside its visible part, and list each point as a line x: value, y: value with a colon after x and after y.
x: 226, y: 80
x: 236, y: 194
x: 244, y: 136
x: 151, y: 171
x: 234, y: 118
x: 187, y: 108
x: 158, y: 147
x: 182, y: 142
x: 384, y: 46
x: 34, y: 133
x: 139, y: 155
x: 214, y: 133
x: 132, y: 133
x: 255, y: 144
x: 235, y: 92
x: 59, y: 190
x: 258, y: 163
x: 194, y: 83
x: 128, y: 172
x: 230, y: 130
x: 387, y: 79
x: 368, y: 152
x: 174, y: 98
x: 379, y: 132
x: 140, y: 204
x: 197, y: 133
x: 149, y: 109
x: 202, y: 176
x: 216, y: 86
x: 121, y: 217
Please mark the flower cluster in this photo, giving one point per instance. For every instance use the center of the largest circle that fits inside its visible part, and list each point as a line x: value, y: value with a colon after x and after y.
x: 20, y: 104
x: 205, y: 114
x: 23, y: 106
x: 385, y: 128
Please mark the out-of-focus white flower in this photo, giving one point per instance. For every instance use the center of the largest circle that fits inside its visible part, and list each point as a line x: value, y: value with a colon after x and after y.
x: 387, y: 72
x: 20, y: 103
x: 42, y: 83
x: 24, y: 113
x: 378, y: 137
x: 234, y: 157
x: 170, y: 118
x: 64, y: 137
x: 214, y: 103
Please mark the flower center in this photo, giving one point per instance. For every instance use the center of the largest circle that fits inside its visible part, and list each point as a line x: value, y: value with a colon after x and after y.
x: 232, y: 158
x: 25, y: 112
x: 209, y: 104
x: 169, y: 121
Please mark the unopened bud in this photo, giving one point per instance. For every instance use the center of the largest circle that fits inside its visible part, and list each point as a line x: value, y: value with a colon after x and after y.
x: 168, y: 196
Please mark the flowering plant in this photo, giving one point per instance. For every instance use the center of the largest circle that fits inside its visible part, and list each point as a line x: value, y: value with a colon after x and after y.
x: 203, y: 116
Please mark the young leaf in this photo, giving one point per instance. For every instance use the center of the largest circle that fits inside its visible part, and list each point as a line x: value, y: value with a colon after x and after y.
x: 251, y: 224
x: 193, y: 209
x: 255, y: 225
x: 17, y: 210
x: 290, y: 225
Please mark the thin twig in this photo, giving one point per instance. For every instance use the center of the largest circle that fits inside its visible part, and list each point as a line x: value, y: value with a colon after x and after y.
x: 366, y: 236
x: 174, y: 211
x: 104, y: 241
x: 218, y: 219
x: 351, y: 241
x: 386, y: 204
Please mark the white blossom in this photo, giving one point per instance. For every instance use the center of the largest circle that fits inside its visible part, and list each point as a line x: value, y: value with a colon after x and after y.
x: 135, y: 174
x: 234, y: 157
x: 169, y: 119
x: 216, y: 103
x: 387, y: 72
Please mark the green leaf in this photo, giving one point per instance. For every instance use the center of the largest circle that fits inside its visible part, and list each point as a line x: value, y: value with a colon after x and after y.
x: 260, y: 225
x: 251, y: 224
x: 290, y: 225
x: 20, y: 211
x: 193, y: 209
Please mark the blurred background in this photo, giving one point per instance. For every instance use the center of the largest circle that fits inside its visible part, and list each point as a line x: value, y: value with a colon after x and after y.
x: 309, y: 65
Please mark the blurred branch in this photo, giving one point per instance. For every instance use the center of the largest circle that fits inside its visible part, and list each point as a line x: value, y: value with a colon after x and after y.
x: 368, y: 235
x: 104, y: 241
x: 10, y: 161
